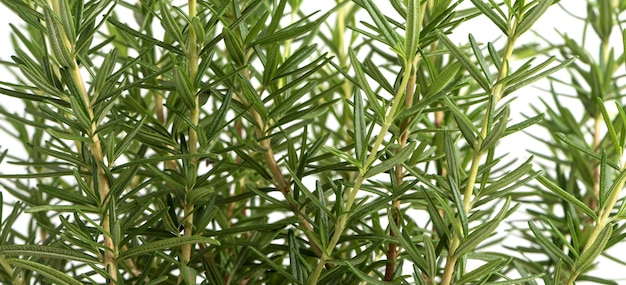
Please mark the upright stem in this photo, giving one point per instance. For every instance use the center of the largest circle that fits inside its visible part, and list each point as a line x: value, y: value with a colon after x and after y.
x: 192, y: 62
x: 280, y: 181
x: 604, y: 212
x: 496, y: 94
x: 340, y: 226
x: 392, y: 252
x: 95, y: 148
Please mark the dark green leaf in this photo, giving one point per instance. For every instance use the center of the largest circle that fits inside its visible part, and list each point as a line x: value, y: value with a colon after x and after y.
x: 289, y: 32
x: 465, y: 61
x: 467, y: 128
x: 54, y: 275
x: 489, y: 12
x: 567, y: 197
x: 395, y: 160
x: 360, y: 132
x: 483, y: 271
x: 150, y: 247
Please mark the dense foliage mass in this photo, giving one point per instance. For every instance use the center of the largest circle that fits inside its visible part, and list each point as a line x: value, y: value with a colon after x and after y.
x: 254, y: 142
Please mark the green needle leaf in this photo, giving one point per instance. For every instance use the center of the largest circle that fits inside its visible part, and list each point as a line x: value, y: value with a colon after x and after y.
x: 289, y: 32
x: 32, y: 250
x: 529, y: 18
x: 391, y: 37
x: 489, y: 12
x: 360, y: 130
x: 151, y: 247
x: 395, y: 160
x: 57, y: 40
x: 466, y: 62
x: 589, y: 255
x: 483, y: 271
x: 413, y: 28
x: 55, y: 275
x: 467, y: 128
x: 567, y: 197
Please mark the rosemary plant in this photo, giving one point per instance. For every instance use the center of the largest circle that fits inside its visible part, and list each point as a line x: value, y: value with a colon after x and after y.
x: 258, y: 142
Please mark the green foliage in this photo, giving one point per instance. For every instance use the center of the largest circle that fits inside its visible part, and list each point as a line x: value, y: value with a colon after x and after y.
x: 254, y: 142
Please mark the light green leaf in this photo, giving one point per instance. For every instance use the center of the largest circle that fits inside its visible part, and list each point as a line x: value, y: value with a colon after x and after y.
x: 291, y: 63
x: 107, y: 67
x: 603, y: 179
x: 126, y: 142
x: 32, y: 97
x: 279, y: 12
x: 407, y: 242
x: 495, y: 57
x: 258, y: 27
x: 343, y: 155
x: 509, y: 178
x: 615, y: 189
x: 513, y: 281
x: 217, y: 124
x: 605, y: 19
x: 525, y: 71
x: 583, y: 148
x: 272, y: 59
x: 441, y: 227
x: 295, y: 257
